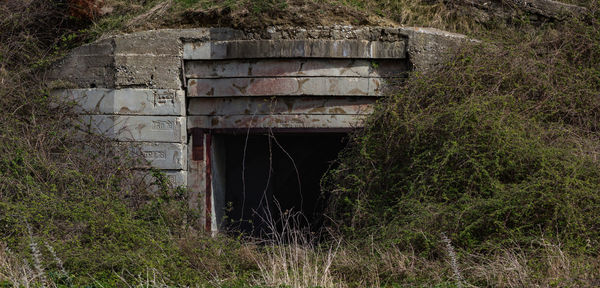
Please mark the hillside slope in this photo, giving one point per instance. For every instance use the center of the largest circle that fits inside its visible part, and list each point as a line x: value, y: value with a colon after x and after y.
x: 483, y: 172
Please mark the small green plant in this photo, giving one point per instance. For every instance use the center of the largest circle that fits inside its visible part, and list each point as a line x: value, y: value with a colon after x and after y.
x: 262, y: 6
x: 188, y: 3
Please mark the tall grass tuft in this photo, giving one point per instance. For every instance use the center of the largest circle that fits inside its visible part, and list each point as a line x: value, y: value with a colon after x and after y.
x: 453, y: 260
x: 292, y: 256
x: 14, y: 270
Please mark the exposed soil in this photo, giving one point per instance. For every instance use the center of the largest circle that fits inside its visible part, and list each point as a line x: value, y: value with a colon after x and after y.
x: 296, y: 13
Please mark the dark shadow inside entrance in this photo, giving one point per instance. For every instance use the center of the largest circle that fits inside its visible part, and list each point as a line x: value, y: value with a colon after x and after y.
x: 265, y: 176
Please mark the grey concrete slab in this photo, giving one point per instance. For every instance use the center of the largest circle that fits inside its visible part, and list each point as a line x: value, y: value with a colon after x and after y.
x: 125, y: 101
x: 84, y: 71
x: 143, y: 71
x: 429, y: 47
x: 276, y: 121
x: 277, y: 67
x: 295, y: 68
x: 308, y: 48
x: 137, y: 128
x: 285, y: 86
x: 171, y: 156
x: 282, y: 105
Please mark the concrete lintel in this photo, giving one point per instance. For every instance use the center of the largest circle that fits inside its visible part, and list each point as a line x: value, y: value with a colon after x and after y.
x: 152, y: 59
x: 125, y: 101
x: 276, y: 121
x: 295, y: 68
x: 285, y: 105
x: 240, y: 49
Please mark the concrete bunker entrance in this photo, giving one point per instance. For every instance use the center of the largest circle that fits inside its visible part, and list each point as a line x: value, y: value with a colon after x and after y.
x: 265, y: 130
x: 173, y: 97
x: 263, y: 177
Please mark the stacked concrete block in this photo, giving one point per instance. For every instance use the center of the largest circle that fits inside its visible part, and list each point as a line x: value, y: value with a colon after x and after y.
x: 129, y: 88
x: 307, y: 93
x: 149, y: 123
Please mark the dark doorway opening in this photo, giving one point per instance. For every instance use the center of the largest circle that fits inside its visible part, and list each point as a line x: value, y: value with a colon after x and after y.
x: 267, y: 175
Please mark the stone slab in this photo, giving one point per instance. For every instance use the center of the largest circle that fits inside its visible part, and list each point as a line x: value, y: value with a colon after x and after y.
x: 429, y: 47
x: 137, y: 128
x: 84, y: 71
x: 282, y: 105
x: 170, y: 156
x: 307, y: 48
x: 288, y: 86
x: 165, y: 42
x: 295, y: 68
x: 276, y: 121
x: 144, y: 71
x: 125, y: 101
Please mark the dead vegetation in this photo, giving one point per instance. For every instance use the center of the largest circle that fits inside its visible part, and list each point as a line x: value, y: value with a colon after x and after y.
x: 457, y: 16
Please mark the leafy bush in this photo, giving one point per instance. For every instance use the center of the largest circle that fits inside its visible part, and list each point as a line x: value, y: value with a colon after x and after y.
x: 497, y: 148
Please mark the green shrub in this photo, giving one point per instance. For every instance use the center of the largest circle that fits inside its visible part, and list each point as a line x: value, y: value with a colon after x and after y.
x: 497, y: 148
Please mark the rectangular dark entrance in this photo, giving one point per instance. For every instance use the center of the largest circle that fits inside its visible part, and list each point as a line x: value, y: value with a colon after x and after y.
x: 258, y: 176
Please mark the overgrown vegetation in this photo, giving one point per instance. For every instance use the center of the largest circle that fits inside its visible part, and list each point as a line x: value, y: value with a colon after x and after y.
x: 484, y: 172
x: 63, y: 194
x: 498, y: 149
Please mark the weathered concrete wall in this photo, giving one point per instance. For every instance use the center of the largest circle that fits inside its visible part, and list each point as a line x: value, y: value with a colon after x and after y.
x: 129, y: 87
x: 152, y: 59
x: 134, y: 87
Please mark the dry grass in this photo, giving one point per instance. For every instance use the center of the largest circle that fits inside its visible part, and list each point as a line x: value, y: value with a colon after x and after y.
x: 295, y: 258
x: 512, y: 267
x: 292, y: 257
x: 507, y: 268
x: 438, y: 14
x: 338, y: 264
x: 16, y: 271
